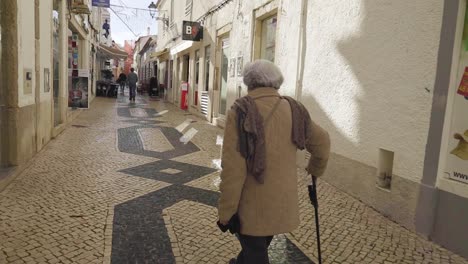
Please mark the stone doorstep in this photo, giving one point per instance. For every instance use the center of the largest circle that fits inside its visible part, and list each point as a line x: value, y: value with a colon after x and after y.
x: 71, y: 116
x: 56, y: 131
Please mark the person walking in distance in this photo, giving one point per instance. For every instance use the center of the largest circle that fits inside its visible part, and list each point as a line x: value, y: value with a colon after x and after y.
x: 132, y: 80
x: 122, y: 81
x: 259, y: 191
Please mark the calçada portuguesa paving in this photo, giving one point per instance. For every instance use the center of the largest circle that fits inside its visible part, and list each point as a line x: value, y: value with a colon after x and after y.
x: 135, y: 183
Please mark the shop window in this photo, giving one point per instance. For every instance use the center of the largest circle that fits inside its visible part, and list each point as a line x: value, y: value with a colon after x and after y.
x: 186, y: 68
x: 225, y: 51
x: 171, y: 75
x: 163, y: 73
x: 57, y: 51
x: 268, y: 38
x: 207, y: 67
x: 197, y: 76
x: 178, y: 77
x: 197, y: 66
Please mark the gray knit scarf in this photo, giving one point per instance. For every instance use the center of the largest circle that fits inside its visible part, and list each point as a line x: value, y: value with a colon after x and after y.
x: 250, y: 129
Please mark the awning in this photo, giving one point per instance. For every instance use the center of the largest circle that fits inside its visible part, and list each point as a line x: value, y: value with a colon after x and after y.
x: 181, y: 47
x: 112, y: 52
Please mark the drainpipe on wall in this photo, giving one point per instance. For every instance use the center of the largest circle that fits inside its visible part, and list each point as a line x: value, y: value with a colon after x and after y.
x: 37, y: 33
x: 301, y: 50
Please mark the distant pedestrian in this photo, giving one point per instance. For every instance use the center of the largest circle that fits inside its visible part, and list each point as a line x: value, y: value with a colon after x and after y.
x: 132, y: 79
x: 154, y: 89
x: 259, y: 192
x: 122, y: 81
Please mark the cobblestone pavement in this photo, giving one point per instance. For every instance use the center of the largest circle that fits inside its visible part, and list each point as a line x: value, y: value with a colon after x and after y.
x: 135, y: 183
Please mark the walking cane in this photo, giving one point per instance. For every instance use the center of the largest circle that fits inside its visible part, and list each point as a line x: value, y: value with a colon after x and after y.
x: 314, y: 201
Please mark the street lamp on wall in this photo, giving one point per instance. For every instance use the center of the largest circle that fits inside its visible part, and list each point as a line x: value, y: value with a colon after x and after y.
x: 152, y: 9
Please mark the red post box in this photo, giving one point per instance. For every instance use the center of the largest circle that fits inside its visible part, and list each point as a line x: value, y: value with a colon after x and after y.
x: 184, y: 96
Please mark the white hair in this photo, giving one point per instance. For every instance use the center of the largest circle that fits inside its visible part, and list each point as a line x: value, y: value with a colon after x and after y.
x: 262, y: 73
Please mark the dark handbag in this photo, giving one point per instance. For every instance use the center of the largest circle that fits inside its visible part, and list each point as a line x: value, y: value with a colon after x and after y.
x: 233, y: 225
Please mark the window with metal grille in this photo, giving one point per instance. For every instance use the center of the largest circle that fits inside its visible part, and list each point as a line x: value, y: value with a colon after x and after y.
x: 188, y: 7
x: 268, y: 40
x: 171, y: 18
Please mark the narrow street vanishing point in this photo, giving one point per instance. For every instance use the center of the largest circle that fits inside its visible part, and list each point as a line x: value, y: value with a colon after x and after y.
x: 137, y: 131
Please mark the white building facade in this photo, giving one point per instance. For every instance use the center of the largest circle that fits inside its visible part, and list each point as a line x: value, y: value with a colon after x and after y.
x: 35, y: 71
x: 383, y: 77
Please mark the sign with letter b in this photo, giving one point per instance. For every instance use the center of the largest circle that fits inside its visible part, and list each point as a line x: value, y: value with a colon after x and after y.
x: 192, y: 31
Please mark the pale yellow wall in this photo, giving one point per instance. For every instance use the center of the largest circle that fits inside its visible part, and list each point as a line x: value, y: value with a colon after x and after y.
x: 46, y: 44
x: 63, y: 94
x: 36, y: 55
x: 44, y: 116
x: 26, y: 52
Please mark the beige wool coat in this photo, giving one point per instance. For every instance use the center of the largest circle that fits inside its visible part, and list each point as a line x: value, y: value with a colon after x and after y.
x: 272, y: 207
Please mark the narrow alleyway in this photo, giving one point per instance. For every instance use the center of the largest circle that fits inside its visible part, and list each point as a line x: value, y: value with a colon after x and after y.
x: 135, y: 183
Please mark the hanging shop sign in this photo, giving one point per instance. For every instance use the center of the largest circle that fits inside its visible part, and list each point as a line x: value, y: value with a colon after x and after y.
x: 79, y: 7
x: 192, y: 31
x: 101, y: 3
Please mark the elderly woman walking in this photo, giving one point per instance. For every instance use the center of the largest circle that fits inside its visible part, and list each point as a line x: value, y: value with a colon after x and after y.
x: 259, y: 182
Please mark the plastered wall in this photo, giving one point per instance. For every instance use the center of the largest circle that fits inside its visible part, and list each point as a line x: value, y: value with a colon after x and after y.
x: 26, y: 50
x: 31, y: 115
x: 45, y: 98
x: 369, y: 75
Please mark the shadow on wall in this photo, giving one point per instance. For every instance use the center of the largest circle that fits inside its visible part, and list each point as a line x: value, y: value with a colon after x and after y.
x: 360, y: 180
x: 394, y: 62
x: 392, y: 58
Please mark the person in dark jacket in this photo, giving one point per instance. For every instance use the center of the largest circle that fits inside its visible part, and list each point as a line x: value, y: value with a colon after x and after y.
x: 153, y: 89
x: 132, y: 79
x: 122, y: 81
